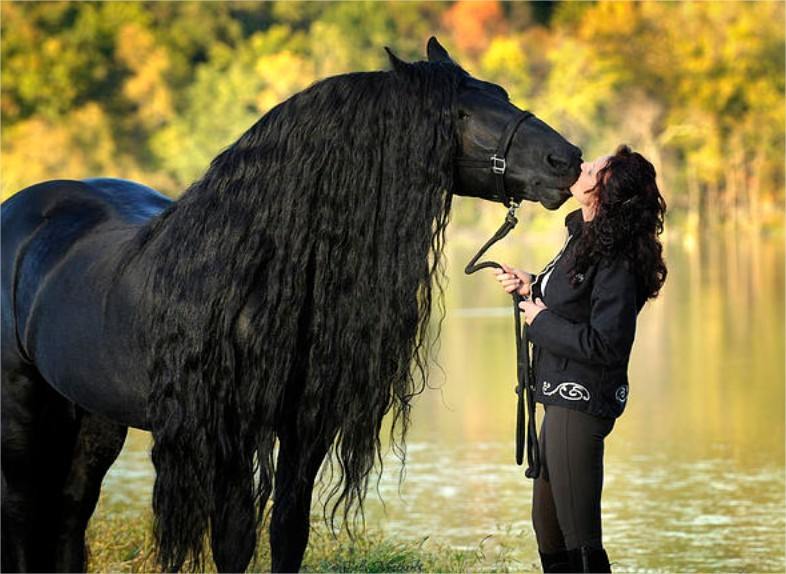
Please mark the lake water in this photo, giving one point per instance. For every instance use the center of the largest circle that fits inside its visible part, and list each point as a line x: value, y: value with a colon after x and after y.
x: 694, y: 469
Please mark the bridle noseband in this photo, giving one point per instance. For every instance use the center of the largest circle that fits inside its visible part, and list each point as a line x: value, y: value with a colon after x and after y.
x: 497, y: 163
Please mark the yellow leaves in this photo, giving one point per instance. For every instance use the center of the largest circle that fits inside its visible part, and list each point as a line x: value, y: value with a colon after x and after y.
x: 579, y: 84
x: 618, y: 18
x: 503, y: 54
x: 52, y: 47
x: 171, y: 83
x: 285, y: 74
x: 231, y: 91
x: 697, y: 134
x: 506, y: 63
x: 134, y: 44
x: 30, y: 154
x: 331, y: 54
x: 146, y: 87
x: 37, y: 149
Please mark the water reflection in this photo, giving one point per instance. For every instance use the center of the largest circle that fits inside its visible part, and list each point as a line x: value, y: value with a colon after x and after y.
x: 694, y: 476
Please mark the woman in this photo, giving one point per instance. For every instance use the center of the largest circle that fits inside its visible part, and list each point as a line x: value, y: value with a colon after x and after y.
x: 581, y: 311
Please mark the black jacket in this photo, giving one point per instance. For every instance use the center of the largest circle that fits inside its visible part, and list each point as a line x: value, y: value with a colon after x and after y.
x: 582, y: 342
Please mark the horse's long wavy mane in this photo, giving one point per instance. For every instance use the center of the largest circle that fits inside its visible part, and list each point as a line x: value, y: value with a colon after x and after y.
x: 330, y: 212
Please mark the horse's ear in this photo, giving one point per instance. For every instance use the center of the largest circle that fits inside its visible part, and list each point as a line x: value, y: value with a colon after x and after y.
x: 396, y: 62
x: 436, y: 53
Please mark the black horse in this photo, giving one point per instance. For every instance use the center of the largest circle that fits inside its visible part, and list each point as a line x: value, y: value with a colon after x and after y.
x: 286, y: 295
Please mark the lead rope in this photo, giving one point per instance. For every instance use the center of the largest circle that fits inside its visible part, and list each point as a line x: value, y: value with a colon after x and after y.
x: 523, y: 367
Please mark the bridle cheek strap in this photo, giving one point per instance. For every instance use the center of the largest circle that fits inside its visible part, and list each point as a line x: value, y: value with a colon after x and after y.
x: 497, y: 163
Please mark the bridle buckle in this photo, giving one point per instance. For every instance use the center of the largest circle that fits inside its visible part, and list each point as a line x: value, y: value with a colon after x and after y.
x: 498, y: 164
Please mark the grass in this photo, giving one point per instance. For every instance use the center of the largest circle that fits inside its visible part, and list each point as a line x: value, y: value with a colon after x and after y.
x: 122, y: 542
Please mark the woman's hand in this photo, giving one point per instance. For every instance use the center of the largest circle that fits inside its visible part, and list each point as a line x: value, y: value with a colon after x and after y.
x: 513, y: 279
x: 531, y: 309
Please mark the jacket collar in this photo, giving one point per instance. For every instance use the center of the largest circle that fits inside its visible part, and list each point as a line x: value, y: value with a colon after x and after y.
x: 574, y: 221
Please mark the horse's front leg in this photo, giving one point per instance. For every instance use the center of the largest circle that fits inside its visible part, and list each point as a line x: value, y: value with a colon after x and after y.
x: 290, y: 524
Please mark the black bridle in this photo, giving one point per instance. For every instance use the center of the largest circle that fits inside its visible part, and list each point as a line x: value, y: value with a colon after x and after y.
x: 524, y: 373
x: 496, y: 163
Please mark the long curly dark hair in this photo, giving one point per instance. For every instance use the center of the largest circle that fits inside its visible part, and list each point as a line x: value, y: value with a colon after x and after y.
x: 629, y: 217
x: 331, y: 212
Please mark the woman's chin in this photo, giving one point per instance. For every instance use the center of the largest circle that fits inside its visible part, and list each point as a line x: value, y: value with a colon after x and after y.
x: 583, y: 197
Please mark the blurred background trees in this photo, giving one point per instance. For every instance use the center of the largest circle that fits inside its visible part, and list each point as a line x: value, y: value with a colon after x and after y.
x: 153, y: 90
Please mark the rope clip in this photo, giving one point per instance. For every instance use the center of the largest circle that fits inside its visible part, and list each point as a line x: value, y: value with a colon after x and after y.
x: 511, y: 216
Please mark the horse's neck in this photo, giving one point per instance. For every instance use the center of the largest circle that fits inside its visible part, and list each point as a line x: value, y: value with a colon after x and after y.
x: 182, y: 252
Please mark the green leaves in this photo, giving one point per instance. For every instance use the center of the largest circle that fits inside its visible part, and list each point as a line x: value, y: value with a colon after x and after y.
x: 158, y: 89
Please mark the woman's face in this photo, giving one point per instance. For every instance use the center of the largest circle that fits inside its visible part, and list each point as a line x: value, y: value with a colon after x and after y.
x: 584, y: 188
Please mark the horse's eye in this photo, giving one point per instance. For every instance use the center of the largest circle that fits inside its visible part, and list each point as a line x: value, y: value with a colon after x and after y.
x: 463, y: 115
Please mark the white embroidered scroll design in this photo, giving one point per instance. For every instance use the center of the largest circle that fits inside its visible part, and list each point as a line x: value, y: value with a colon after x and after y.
x: 568, y: 390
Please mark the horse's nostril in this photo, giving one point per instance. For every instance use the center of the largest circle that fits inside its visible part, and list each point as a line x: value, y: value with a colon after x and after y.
x: 557, y: 162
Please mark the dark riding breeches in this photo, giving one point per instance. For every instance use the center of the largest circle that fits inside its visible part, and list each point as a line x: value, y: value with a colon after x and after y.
x: 566, y: 495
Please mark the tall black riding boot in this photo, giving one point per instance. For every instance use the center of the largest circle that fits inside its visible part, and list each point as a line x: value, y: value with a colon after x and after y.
x: 555, y: 562
x: 587, y: 559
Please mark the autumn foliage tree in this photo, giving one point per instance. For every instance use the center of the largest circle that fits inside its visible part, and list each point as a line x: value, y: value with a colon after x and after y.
x: 152, y: 91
